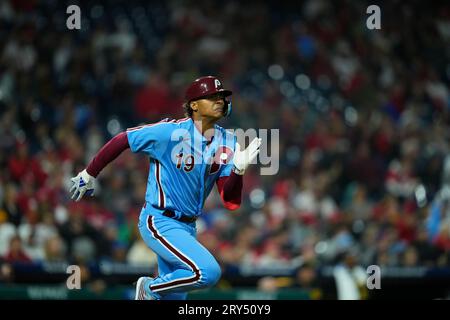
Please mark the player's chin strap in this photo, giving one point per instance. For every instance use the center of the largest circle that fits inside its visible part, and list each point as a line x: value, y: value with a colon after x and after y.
x: 228, y: 108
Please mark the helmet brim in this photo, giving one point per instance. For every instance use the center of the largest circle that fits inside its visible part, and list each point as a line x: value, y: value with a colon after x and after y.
x: 226, y: 93
x: 223, y: 92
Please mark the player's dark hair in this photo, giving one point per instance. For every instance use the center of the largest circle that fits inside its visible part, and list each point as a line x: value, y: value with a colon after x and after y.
x: 187, y: 109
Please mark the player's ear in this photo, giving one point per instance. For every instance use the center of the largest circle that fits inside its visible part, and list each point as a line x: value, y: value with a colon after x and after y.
x: 194, y: 106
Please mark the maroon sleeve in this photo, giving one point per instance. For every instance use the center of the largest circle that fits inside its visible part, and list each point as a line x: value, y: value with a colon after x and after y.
x: 230, y: 190
x: 108, y: 153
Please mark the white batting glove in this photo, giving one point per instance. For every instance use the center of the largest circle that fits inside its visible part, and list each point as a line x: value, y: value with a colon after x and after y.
x: 242, y: 159
x: 83, y: 184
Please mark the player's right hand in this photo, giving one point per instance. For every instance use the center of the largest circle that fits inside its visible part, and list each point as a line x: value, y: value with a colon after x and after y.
x: 83, y: 184
x: 243, y: 158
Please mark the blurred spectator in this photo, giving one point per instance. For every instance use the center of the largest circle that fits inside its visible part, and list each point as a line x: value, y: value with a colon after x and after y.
x: 24, y: 166
x: 10, y: 204
x: 7, y: 232
x: 35, y: 233
x: 54, y: 249
x: 306, y: 278
x: 350, y: 278
x: 83, y: 250
x: 6, y: 272
x: 16, y: 253
x: 81, y: 237
x: 427, y: 253
x: 140, y: 254
x: 268, y: 284
x: 410, y: 258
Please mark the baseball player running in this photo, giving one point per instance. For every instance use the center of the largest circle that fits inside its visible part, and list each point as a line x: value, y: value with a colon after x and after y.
x: 187, y: 156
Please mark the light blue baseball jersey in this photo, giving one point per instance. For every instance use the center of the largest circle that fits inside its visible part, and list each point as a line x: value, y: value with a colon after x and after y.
x: 183, y: 165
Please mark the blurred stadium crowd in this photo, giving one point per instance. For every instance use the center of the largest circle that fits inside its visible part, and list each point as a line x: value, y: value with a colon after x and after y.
x: 363, y: 116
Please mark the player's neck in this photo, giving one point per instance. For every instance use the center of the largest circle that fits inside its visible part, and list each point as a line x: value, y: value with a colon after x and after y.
x: 204, y: 126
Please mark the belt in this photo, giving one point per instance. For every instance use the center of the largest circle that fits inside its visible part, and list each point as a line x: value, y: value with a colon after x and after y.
x: 185, y: 219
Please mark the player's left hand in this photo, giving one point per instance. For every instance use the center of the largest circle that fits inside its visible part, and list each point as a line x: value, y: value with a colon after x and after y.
x: 83, y: 184
x: 243, y: 158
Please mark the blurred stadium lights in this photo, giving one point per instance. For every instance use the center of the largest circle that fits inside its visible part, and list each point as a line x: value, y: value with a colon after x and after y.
x: 113, y: 126
x: 312, y: 96
x: 35, y: 114
x: 321, y: 247
x: 322, y: 104
x: 302, y: 81
x: 275, y: 72
x: 351, y: 116
x: 421, y: 196
x: 20, y: 136
x: 257, y: 198
x: 287, y: 89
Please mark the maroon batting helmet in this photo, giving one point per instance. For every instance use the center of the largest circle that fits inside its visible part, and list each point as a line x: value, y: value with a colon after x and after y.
x: 205, y: 86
